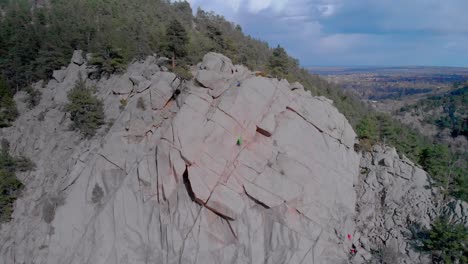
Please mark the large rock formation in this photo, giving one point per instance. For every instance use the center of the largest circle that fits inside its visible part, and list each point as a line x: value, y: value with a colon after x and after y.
x: 227, y: 168
x: 171, y: 184
x: 395, y: 196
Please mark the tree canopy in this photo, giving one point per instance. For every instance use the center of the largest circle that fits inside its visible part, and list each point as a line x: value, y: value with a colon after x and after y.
x: 278, y: 62
x: 177, y: 40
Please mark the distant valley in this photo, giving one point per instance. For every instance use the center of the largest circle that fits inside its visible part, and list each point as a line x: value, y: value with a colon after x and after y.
x: 380, y: 83
x: 433, y: 100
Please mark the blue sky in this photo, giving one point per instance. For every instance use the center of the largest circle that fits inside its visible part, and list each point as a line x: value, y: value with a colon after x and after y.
x: 356, y: 32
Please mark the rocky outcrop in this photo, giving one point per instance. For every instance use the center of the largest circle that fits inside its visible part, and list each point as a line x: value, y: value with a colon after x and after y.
x: 394, y: 197
x: 171, y: 184
x: 228, y: 168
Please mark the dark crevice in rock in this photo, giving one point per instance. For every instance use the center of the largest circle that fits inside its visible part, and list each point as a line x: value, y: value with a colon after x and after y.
x: 188, y: 186
x: 263, y: 132
x: 381, y: 162
x: 157, y: 174
x: 175, y: 94
x: 111, y: 162
x: 255, y: 200
x: 173, y: 98
x: 294, y: 111
x: 383, y: 196
x: 316, y: 127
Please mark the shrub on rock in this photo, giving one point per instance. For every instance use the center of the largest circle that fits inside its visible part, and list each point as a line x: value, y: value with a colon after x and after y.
x: 8, y: 111
x: 447, y: 242
x: 183, y: 73
x: 10, y: 185
x: 86, y: 110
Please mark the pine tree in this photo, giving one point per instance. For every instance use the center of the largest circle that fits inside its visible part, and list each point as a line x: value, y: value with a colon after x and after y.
x: 177, y: 40
x: 278, y: 62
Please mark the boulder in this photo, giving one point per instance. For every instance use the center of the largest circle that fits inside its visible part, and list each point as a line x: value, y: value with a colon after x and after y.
x: 136, y: 79
x: 297, y: 86
x: 218, y: 63
x: 122, y: 84
x: 78, y: 57
x: 59, y: 75
x: 162, y: 61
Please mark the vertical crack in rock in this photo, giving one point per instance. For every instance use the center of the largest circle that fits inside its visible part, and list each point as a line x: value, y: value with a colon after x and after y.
x: 230, y: 228
x: 188, y: 186
x: 157, y: 174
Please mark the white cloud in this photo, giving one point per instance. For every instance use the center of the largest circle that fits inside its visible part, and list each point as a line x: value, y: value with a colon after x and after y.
x: 343, y: 31
x: 256, y: 6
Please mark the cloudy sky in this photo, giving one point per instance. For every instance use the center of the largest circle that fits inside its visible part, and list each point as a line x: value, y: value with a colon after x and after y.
x: 356, y: 32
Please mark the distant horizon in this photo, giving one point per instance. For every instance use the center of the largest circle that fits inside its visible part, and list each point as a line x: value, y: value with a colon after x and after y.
x: 383, y: 66
x: 346, y: 32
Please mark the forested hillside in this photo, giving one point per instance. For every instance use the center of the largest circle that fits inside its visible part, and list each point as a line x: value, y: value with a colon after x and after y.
x: 448, y: 111
x: 36, y: 41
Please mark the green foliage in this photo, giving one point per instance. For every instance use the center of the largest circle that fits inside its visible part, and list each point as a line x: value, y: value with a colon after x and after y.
x: 453, y: 108
x: 447, y: 242
x: 10, y: 186
x: 183, y: 72
x: 448, y: 169
x: 123, y: 104
x: 19, y: 45
x: 278, y: 63
x: 177, y: 40
x: 86, y: 110
x: 367, y: 131
x: 8, y: 111
x: 367, y: 128
x: 216, y: 35
x: 435, y: 160
x: 9, y: 190
x: 109, y: 61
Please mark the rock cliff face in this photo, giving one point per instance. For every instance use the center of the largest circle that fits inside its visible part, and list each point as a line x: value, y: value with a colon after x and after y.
x: 171, y: 184
x: 394, y: 195
x: 228, y: 168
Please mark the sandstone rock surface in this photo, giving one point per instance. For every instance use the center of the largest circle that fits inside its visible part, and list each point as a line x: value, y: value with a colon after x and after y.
x: 173, y: 185
x: 176, y: 186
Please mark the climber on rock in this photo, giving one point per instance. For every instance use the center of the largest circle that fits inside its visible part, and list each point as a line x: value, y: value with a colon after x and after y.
x: 353, y: 250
